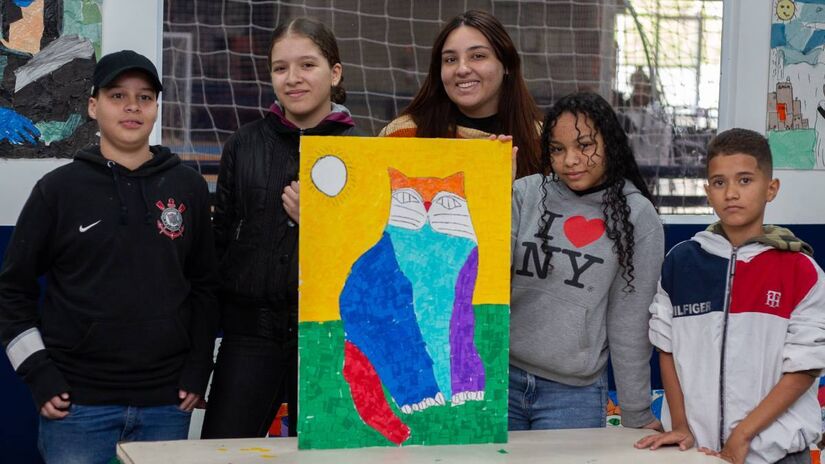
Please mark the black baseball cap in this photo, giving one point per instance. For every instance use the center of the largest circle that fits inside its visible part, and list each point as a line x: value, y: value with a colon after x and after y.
x: 115, y: 64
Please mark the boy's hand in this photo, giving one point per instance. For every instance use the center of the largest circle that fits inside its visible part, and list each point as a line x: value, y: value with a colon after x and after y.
x: 791, y: 386
x: 57, y: 407
x: 683, y: 438
x: 188, y: 400
x: 291, y: 201
x: 735, y: 450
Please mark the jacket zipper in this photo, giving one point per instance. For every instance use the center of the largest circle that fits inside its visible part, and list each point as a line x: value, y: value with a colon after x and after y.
x: 728, y: 296
x: 238, y: 230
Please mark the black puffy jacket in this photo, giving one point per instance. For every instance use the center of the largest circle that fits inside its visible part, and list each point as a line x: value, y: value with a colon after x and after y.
x: 257, y: 244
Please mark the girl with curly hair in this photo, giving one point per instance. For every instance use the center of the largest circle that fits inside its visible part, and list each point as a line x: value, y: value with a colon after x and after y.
x: 587, y: 248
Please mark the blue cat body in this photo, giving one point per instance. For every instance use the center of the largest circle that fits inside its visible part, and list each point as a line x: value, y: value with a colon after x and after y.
x: 432, y: 262
x: 379, y: 318
x: 407, y: 307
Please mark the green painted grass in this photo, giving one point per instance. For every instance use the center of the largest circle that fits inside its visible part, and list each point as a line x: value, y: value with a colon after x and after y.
x: 328, y: 419
x: 793, y: 149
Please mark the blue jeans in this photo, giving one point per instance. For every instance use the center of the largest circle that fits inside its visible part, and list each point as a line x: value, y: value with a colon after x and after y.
x: 88, y: 435
x: 536, y: 403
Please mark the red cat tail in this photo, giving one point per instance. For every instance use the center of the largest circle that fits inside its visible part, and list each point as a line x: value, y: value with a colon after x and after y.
x: 368, y: 396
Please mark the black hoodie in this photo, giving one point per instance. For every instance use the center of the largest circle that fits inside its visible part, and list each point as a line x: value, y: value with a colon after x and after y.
x: 129, y: 314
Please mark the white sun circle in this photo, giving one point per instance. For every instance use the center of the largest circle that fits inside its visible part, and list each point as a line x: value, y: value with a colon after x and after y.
x: 329, y: 174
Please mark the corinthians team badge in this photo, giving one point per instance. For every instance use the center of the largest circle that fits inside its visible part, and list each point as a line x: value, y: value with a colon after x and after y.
x: 170, y: 223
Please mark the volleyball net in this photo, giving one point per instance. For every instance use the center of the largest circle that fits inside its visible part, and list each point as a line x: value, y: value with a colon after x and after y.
x: 656, y: 61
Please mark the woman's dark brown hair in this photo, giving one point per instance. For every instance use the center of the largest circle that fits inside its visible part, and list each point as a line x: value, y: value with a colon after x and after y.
x: 435, y: 114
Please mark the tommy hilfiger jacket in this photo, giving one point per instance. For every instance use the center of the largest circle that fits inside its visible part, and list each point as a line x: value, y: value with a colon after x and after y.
x: 736, y: 320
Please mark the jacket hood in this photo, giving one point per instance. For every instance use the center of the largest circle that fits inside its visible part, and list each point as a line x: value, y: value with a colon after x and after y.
x: 162, y: 159
x: 339, y: 114
x: 775, y: 237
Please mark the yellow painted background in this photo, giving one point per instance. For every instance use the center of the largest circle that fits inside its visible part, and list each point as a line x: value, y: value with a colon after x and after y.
x: 336, y: 231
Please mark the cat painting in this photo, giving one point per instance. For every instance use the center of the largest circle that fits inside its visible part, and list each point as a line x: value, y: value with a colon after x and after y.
x: 407, y: 310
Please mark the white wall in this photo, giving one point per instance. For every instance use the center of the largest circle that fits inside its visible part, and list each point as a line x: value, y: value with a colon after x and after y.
x: 127, y: 24
x: 744, y: 100
x: 136, y: 25
x: 17, y: 177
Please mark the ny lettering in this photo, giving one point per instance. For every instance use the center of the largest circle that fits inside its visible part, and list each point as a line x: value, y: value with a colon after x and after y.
x: 531, y: 254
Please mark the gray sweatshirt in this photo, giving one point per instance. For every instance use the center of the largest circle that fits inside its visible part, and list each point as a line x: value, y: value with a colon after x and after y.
x: 565, y: 320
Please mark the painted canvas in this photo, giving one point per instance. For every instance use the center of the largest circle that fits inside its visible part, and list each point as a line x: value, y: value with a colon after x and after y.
x: 48, y: 51
x: 796, y: 84
x: 404, y: 292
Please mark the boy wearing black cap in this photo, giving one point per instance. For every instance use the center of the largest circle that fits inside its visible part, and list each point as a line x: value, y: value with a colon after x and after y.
x: 121, y: 348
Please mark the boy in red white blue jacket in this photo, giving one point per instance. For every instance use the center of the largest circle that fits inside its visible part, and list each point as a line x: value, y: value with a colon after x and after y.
x: 739, y: 320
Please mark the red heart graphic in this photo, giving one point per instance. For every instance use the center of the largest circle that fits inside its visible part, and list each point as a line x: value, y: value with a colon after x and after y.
x: 582, y: 232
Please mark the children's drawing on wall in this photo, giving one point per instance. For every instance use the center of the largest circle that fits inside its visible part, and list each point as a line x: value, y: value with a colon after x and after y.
x: 404, y: 258
x: 796, y: 95
x: 47, y: 56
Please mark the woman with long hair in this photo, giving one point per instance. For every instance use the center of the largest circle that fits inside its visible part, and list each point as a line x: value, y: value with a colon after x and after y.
x: 474, y: 89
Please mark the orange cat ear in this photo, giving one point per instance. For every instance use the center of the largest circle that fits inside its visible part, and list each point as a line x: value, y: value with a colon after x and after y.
x: 397, y: 178
x: 455, y: 183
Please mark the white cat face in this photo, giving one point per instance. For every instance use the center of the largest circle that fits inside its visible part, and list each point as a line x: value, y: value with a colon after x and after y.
x: 447, y: 214
x: 407, y: 209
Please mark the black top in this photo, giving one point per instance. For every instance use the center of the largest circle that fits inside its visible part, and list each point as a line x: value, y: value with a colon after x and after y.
x: 129, y: 314
x: 257, y: 244
x: 490, y: 124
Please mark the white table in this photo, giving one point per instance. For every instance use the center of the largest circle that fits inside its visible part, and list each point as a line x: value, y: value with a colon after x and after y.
x: 582, y: 446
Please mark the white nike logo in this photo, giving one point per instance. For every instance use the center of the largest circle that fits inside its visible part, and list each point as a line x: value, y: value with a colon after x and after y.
x: 85, y: 228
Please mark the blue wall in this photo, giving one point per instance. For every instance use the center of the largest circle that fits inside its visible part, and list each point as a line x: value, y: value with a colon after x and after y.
x: 18, y: 428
